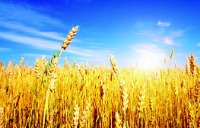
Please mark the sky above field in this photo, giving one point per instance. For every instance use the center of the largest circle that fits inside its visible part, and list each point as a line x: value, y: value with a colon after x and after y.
x: 136, y: 32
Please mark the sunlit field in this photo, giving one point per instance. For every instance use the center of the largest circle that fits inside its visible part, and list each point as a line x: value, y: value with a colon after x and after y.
x: 83, y: 96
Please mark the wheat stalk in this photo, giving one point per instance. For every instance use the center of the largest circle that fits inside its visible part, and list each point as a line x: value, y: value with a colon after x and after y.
x: 76, y: 116
x: 102, y: 91
x: 191, y: 115
x: 192, y: 64
x: 1, y: 117
x: 10, y: 68
x: 51, y: 68
x: 118, y: 121
x: 37, y: 68
x: 66, y: 64
x: 171, y: 54
x: 141, y: 102
x: 114, y: 65
x: 85, y: 115
x: 187, y: 68
x: 124, y: 96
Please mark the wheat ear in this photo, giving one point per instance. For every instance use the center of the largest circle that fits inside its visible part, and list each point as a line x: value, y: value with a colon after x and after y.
x: 114, y: 65
x: 85, y: 115
x: 50, y: 70
x: 76, y: 116
x: 192, y: 64
x: 69, y: 38
x: 118, y: 121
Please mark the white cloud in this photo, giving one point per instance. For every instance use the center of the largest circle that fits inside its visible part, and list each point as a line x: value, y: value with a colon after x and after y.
x: 84, y: 0
x: 44, y: 44
x: 38, y: 43
x: 162, y: 35
x: 142, y: 48
x: 36, y: 55
x: 26, y: 14
x: 30, y: 30
x: 96, y: 53
x: 66, y: 1
x: 198, y: 44
x: 163, y: 24
x: 177, y: 33
x: 168, y: 40
x: 4, y: 49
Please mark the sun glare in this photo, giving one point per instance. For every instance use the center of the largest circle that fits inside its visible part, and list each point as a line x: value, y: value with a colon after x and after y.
x: 149, y: 61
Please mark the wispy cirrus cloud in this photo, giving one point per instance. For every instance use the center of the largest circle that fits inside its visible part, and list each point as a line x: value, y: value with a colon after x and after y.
x: 5, y: 49
x: 26, y: 14
x: 92, y: 53
x: 45, y: 44
x: 161, y: 35
x: 38, y: 43
x: 31, y: 30
x: 198, y: 44
x: 27, y: 26
x: 66, y: 1
x: 36, y: 55
x: 163, y: 24
x: 168, y: 40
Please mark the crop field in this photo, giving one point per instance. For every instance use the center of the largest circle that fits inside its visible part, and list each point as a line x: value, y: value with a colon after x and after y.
x: 82, y: 96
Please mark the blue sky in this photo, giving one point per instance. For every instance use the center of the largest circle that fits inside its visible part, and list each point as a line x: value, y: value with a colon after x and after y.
x: 139, y: 32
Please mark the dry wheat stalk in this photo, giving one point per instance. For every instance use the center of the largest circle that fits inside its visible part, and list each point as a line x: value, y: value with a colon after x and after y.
x: 118, y: 121
x: 196, y: 94
x: 187, y: 68
x: 114, y: 65
x: 52, y: 82
x: 192, y: 63
x: 198, y: 123
x: 43, y: 63
x: 10, y: 68
x: 191, y: 115
x: 37, y: 68
x: 86, y: 113
x: 141, y: 98
x: 76, y: 116
x: 52, y: 68
x: 151, y: 106
x: 171, y: 54
x: 124, y: 96
x: 69, y: 38
x: 102, y: 91
x: 66, y: 64
x: 175, y: 65
x: 1, y: 116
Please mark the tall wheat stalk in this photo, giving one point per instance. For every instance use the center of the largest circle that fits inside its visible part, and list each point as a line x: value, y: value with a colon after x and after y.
x: 51, y: 68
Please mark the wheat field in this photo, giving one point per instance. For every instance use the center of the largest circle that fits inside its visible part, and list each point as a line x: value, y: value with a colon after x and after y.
x: 82, y: 96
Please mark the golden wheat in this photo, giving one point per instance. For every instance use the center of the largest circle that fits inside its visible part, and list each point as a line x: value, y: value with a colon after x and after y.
x: 192, y: 64
x: 1, y: 117
x: 91, y: 96
x: 118, y: 122
x: 114, y: 65
x: 69, y: 38
x: 76, y: 116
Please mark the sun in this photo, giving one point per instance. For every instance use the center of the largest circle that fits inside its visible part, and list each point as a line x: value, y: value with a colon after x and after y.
x: 149, y: 60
